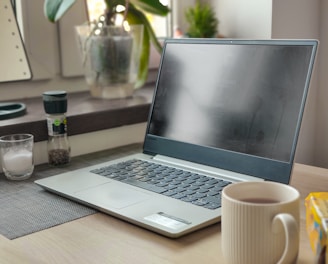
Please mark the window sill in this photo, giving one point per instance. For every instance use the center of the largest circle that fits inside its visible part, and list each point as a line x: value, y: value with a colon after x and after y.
x: 85, y: 114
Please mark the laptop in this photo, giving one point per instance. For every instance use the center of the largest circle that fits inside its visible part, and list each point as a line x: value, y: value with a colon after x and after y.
x: 223, y: 111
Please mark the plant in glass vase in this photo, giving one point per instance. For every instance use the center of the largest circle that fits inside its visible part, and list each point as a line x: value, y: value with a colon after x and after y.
x: 115, y: 54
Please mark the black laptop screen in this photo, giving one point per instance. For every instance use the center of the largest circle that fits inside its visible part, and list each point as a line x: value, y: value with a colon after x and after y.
x: 242, y: 98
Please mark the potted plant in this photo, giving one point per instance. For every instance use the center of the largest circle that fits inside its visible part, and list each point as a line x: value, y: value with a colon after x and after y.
x: 109, y: 73
x: 202, y: 21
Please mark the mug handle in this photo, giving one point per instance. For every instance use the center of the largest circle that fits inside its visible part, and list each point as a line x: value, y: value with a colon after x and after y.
x: 291, y: 234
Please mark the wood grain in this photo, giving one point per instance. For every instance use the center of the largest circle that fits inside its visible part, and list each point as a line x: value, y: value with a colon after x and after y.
x: 100, y: 238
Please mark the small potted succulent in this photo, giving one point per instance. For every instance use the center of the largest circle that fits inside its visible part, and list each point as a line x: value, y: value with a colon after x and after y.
x: 115, y: 57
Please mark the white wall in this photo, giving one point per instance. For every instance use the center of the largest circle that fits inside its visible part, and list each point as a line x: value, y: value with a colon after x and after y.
x: 178, y: 18
x: 244, y: 19
x: 300, y: 19
x: 96, y: 141
x: 321, y: 128
x: 295, y: 18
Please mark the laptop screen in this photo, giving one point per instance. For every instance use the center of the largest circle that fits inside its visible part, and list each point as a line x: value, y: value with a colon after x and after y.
x: 241, y: 101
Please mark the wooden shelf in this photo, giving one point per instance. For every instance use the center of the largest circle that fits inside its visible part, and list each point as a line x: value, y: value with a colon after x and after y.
x: 85, y: 114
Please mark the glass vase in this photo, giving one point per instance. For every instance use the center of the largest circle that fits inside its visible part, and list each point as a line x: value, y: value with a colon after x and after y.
x: 110, y: 57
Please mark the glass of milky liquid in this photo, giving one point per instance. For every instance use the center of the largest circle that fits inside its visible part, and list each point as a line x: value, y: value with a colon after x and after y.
x: 17, y: 156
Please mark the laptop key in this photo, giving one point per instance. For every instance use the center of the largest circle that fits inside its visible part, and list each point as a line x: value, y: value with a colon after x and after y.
x: 212, y: 206
x: 212, y: 199
x: 144, y: 185
x: 170, y: 187
x: 202, y: 190
x: 162, y: 184
x: 189, y: 199
x: 213, y: 193
x: 200, y: 202
x: 189, y: 192
x: 223, y: 183
x: 170, y: 192
x: 179, y: 195
x: 193, y: 187
x: 199, y: 195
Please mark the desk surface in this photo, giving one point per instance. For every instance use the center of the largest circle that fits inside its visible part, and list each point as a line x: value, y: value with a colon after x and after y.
x: 100, y: 238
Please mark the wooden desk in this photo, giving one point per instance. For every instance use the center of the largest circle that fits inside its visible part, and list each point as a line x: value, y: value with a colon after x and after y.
x: 100, y: 238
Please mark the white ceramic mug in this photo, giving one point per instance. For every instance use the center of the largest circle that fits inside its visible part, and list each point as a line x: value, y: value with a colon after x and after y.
x: 260, y: 223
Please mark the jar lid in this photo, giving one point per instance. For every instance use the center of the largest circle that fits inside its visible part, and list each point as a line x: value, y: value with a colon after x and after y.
x: 55, y: 102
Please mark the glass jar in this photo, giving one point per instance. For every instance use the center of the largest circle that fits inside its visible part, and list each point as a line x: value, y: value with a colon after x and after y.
x: 55, y: 105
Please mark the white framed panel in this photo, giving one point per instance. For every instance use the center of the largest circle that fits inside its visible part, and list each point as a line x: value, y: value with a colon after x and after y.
x: 70, y: 61
x: 40, y: 37
x: 14, y: 64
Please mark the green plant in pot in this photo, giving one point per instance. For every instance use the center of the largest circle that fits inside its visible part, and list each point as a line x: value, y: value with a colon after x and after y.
x: 202, y: 21
x: 115, y: 56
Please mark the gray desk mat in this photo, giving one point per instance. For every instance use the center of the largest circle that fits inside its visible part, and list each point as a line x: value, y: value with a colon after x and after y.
x: 26, y: 208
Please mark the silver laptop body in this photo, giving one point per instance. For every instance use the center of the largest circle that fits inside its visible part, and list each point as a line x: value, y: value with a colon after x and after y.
x: 228, y: 109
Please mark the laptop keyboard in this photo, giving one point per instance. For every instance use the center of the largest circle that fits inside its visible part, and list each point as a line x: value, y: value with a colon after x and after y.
x: 180, y: 184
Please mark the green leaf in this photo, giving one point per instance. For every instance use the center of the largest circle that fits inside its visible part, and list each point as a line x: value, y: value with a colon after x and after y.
x: 55, y: 9
x: 144, y: 61
x: 136, y: 17
x: 144, y: 20
x: 151, y: 6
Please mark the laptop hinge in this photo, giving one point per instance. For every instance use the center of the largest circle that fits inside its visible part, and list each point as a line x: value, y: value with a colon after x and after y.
x: 205, y: 169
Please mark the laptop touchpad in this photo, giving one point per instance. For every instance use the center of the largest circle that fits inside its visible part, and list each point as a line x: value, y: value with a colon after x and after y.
x: 111, y: 195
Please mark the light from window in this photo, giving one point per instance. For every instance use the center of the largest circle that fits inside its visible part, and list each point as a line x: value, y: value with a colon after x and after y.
x: 95, y: 9
x: 161, y: 25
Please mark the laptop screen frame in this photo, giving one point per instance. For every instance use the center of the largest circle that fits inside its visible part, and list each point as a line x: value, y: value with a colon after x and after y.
x: 264, y: 168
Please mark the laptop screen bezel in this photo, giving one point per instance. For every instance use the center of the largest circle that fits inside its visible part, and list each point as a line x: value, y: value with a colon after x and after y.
x: 264, y: 168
